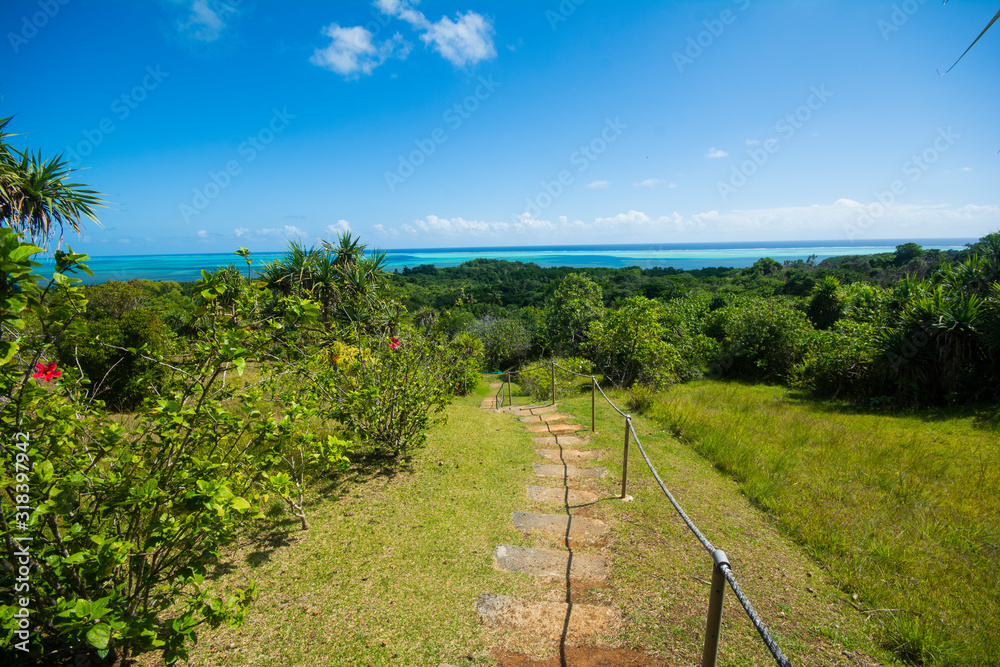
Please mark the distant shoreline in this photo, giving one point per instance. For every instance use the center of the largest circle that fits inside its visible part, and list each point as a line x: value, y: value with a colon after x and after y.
x: 682, y: 256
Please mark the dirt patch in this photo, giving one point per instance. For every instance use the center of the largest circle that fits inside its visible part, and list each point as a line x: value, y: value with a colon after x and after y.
x: 582, y: 656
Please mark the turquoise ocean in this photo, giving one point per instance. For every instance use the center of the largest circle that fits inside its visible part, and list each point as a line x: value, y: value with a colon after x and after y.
x: 183, y: 268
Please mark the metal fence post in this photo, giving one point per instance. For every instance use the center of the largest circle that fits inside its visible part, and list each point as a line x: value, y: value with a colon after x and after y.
x: 715, y: 600
x: 553, y: 382
x: 593, y: 404
x: 510, y: 400
x: 628, y: 428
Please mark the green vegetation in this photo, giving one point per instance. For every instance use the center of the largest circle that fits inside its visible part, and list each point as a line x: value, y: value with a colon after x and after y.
x: 901, y: 508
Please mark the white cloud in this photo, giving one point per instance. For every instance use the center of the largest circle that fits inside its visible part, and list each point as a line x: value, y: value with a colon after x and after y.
x: 241, y: 231
x: 753, y: 142
x: 288, y: 231
x: 466, y: 40
x: 966, y: 168
x: 598, y: 185
x: 672, y: 185
x: 202, y: 234
x: 839, y: 220
x: 206, y: 23
x: 715, y: 153
x: 339, y: 228
x: 352, y: 51
x: 648, y: 183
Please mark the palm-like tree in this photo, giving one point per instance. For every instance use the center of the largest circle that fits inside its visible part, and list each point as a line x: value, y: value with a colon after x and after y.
x: 36, y: 195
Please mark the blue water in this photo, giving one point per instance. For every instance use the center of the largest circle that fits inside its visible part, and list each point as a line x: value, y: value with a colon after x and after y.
x: 680, y: 256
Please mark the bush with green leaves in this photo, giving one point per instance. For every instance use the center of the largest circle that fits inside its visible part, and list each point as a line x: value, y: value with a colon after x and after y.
x: 628, y: 345
x: 506, y: 341
x: 760, y: 339
x: 575, y: 303
x: 537, y: 382
x: 391, y: 389
x: 842, y: 363
x: 124, y: 524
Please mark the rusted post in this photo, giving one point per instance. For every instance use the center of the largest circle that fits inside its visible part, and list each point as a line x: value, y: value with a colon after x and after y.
x: 715, y: 600
x: 510, y: 400
x: 628, y: 429
x: 593, y: 404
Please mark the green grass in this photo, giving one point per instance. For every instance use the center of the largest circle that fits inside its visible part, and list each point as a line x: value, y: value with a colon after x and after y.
x: 902, y: 508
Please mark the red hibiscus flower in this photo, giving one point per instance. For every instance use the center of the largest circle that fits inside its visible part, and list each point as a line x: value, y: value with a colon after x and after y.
x: 46, y: 372
x: 394, y: 344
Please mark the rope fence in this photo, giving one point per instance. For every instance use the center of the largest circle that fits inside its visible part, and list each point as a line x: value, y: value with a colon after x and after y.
x: 722, y: 572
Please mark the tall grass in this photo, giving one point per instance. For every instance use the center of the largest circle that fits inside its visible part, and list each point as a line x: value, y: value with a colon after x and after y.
x: 903, y: 509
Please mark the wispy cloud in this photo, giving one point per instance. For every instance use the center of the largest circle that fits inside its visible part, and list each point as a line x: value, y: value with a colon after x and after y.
x: 649, y: 183
x: 352, y: 51
x: 715, y: 153
x: 596, y: 185
x: 204, y: 22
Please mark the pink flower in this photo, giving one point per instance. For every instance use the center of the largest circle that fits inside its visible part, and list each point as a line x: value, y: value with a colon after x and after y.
x: 46, y: 372
x: 394, y: 344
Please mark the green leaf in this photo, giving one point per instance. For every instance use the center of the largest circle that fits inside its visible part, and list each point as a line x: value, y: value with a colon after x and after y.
x: 44, y: 470
x: 240, y: 364
x: 99, y: 636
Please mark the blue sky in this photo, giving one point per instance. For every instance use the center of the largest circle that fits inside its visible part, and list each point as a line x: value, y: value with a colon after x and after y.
x: 211, y: 124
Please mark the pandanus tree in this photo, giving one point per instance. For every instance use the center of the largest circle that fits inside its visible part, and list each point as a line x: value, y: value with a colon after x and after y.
x: 37, y: 198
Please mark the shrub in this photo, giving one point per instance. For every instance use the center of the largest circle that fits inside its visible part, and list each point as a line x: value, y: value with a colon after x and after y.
x: 841, y: 363
x: 538, y: 383
x: 391, y: 391
x: 640, y: 398
x: 628, y: 346
x: 576, y: 302
x: 760, y: 339
x: 506, y: 341
x: 114, y: 354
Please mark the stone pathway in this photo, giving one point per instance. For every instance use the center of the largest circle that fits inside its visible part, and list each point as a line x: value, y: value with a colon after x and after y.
x: 579, y: 562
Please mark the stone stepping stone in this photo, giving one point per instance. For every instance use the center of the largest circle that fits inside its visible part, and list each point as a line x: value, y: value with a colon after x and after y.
x: 557, y: 428
x: 547, y: 417
x: 522, y: 409
x: 496, y: 385
x: 547, y: 619
x: 550, y: 564
x: 488, y: 404
x: 569, y: 472
x: 548, y: 494
x: 562, y: 440
x: 580, y: 529
x: 543, y: 409
x: 569, y: 454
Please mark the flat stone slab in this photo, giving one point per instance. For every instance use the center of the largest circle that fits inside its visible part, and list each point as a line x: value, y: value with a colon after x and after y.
x: 548, y: 494
x: 569, y: 454
x: 547, y: 417
x: 562, y: 440
x: 580, y: 529
x: 549, y: 564
x: 547, y: 619
x: 552, y: 470
x: 488, y: 404
x: 526, y: 409
x: 556, y: 428
x: 496, y: 385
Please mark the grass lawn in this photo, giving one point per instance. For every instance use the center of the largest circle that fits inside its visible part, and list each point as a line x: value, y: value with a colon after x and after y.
x: 390, y: 570
x: 902, y: 509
